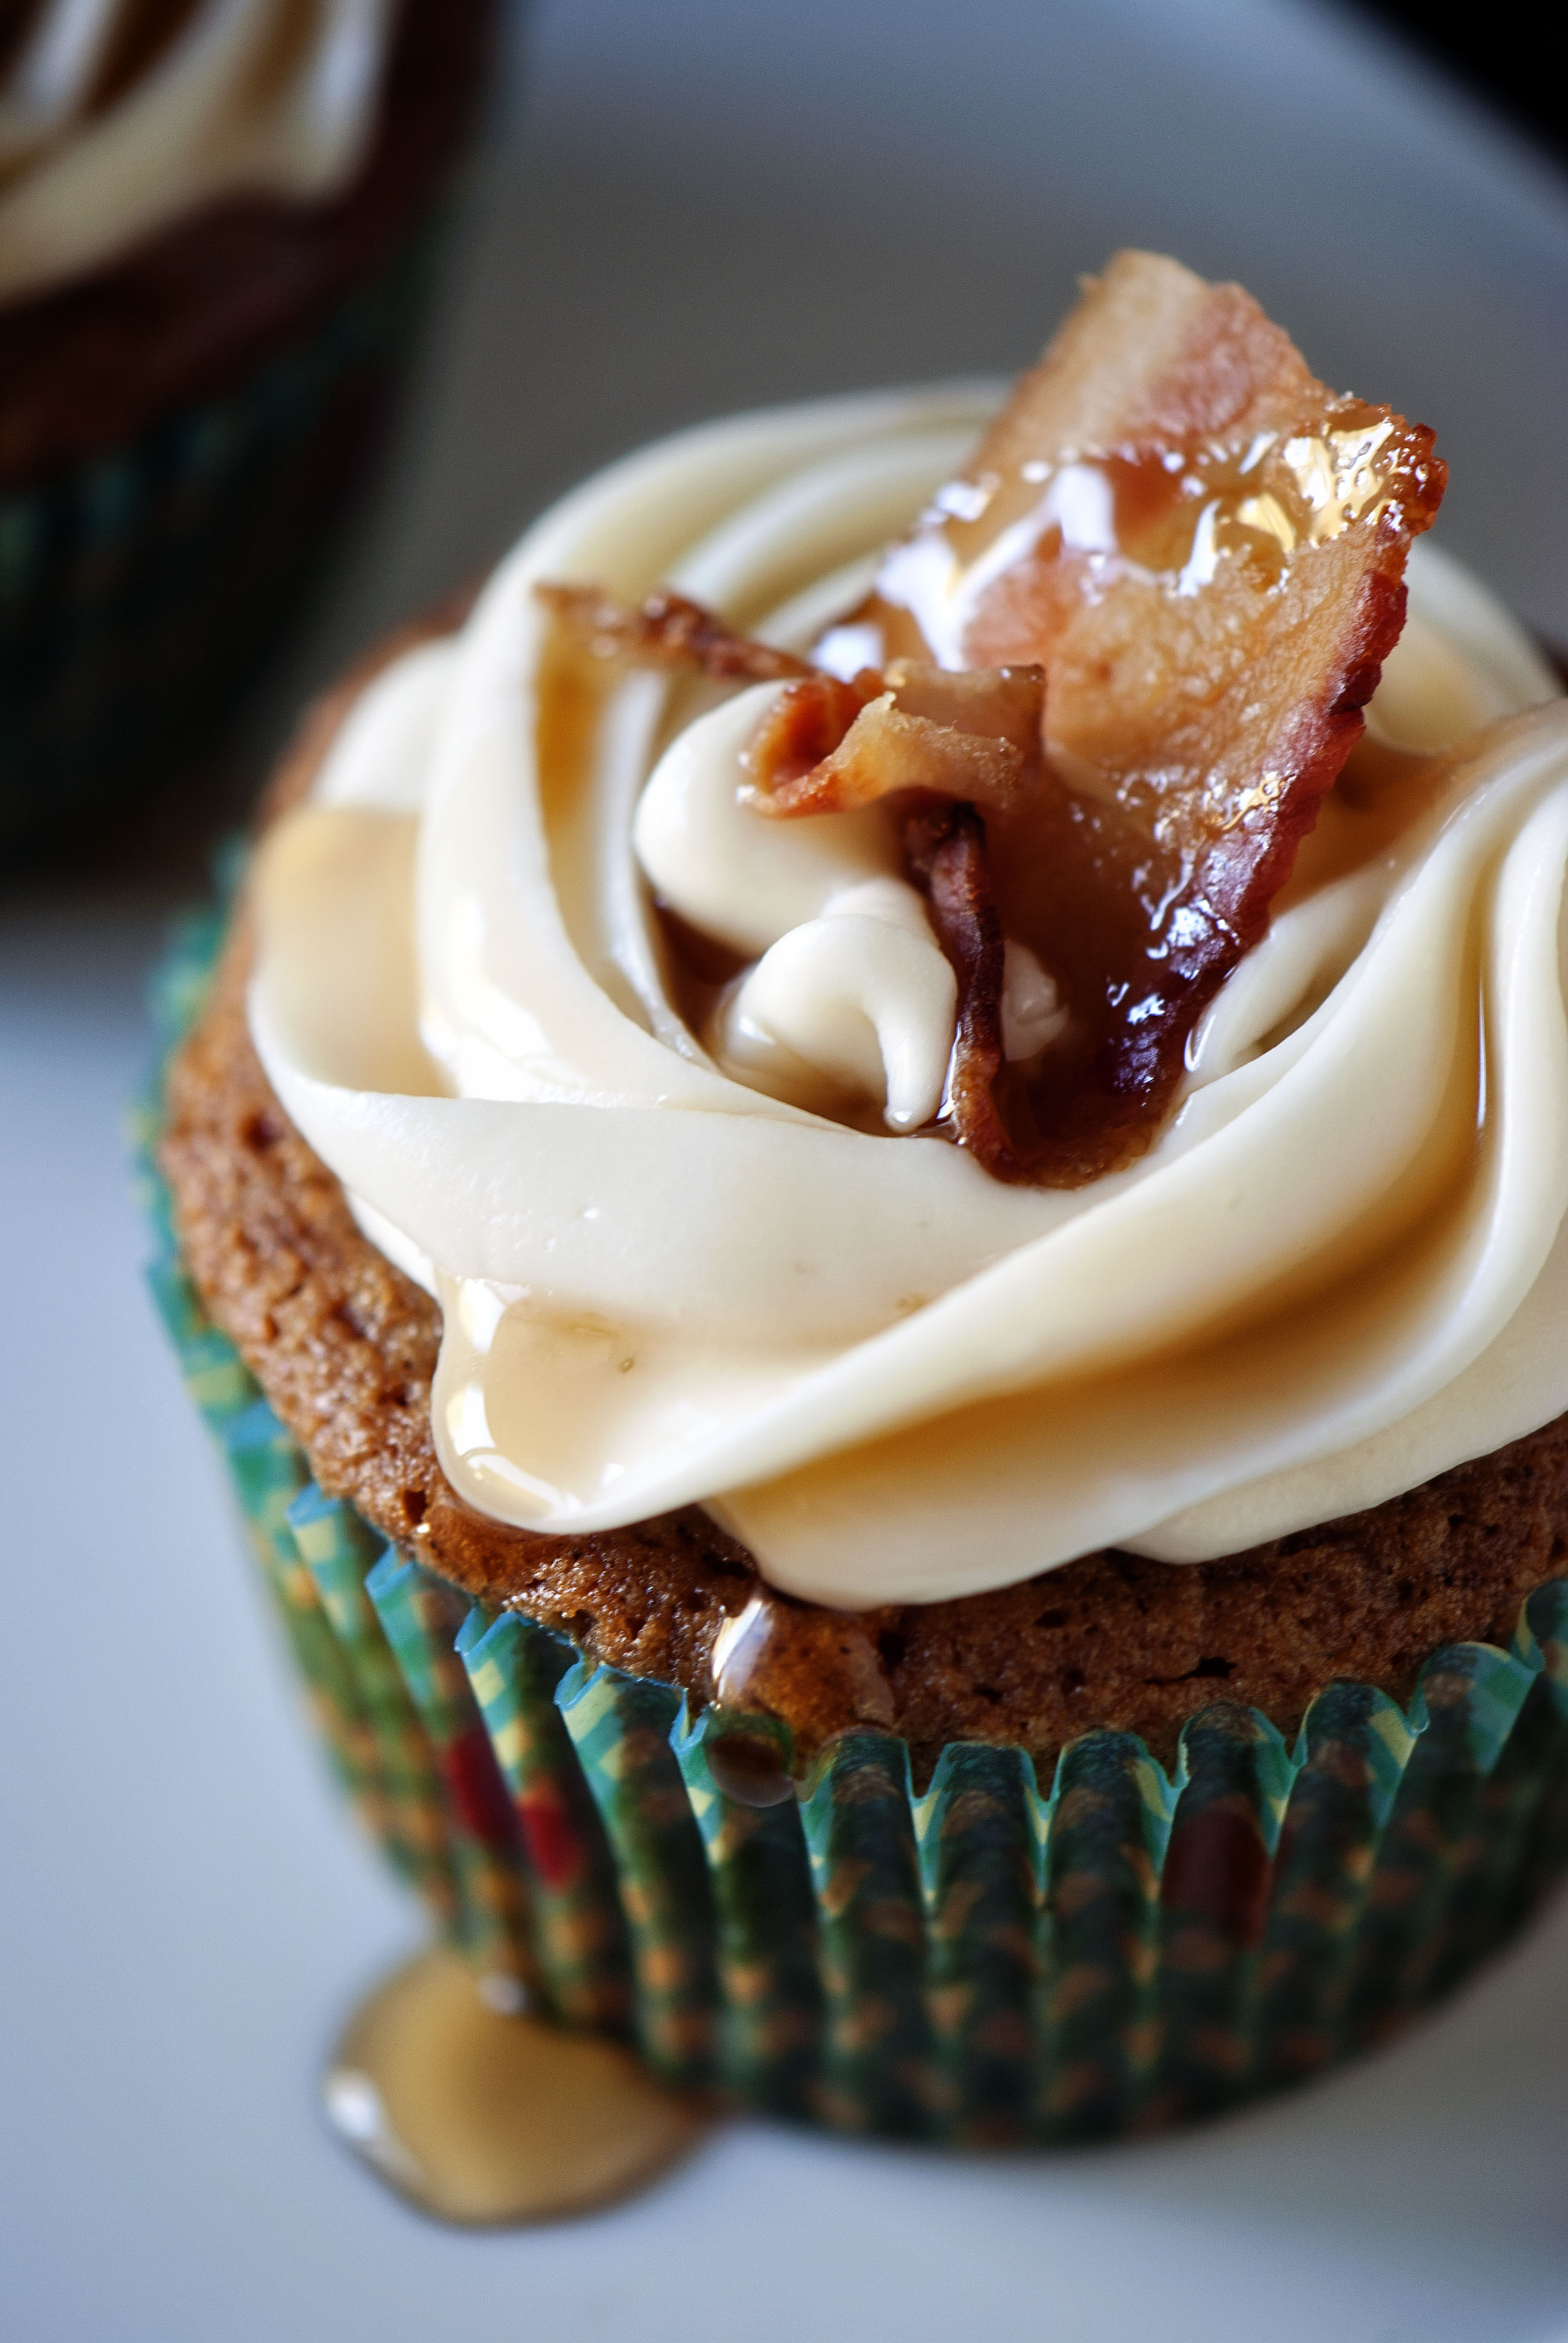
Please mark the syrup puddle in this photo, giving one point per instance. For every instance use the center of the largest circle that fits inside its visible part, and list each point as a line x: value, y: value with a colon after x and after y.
x: 481, y: 2116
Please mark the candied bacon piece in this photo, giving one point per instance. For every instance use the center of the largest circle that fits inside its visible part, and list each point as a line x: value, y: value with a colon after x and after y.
x: 945, y: 852
x: 830, y: 744
x: 829, y: 747
x: 1001, y: 703
x: 1204, y: 548
x: 669, y: 629
x: 806, y: 725
x: 885, y: 750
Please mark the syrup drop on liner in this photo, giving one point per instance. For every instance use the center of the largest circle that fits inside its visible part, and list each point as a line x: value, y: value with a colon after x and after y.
x: 747, y: 1767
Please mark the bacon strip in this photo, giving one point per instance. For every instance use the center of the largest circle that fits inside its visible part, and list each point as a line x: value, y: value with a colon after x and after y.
x: 830, y: 746
x: 1209, y: 552
x: 668, y: 630
x: 1205, y: 553
x: 945, y: 853
x: 805, y: 727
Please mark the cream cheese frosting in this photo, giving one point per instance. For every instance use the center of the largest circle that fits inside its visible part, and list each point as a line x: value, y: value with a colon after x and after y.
x: 680, y: 1265
x: 248, y: 98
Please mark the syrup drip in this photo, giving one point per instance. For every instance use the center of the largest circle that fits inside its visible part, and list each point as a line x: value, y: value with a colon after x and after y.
x: 481, y: 2116
x: 747, y: 1767
x: 781, y: 1658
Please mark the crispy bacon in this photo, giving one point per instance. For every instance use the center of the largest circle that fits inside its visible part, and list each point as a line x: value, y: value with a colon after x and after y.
x: 993, y: 703
x: 1210, y: 551
x: 669, y: 629
x: 829, y: 746
x: 1205, y: 553
x: 945, y: 853
x: 974, y: 736
x: 806, y: 725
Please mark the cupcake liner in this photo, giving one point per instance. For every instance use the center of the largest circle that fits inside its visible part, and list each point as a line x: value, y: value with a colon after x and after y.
x: 141, y: 591
x: 978, y: 1961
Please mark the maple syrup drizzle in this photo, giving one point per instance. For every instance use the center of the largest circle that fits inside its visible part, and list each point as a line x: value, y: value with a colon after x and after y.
x: 1137, y: 877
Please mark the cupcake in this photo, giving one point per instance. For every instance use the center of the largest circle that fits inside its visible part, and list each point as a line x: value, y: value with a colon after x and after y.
x: 869, y: 1199
x: 215, y: 225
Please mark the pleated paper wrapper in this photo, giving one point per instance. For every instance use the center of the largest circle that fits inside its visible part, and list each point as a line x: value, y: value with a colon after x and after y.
x: 985, y: 1958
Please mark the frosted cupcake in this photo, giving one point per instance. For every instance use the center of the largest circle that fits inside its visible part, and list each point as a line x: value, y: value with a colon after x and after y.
x: 897, y: 1201
x: 215, y: 222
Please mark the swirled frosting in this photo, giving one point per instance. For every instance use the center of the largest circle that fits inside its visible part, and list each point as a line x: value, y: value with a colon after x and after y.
x: 671, y: 1272
x: 245, y: 98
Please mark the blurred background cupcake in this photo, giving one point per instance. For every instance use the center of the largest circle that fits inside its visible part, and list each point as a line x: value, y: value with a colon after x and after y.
x: 218, y: 219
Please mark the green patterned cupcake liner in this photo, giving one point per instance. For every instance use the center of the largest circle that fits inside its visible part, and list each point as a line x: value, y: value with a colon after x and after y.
x: 983, y: 1961
x: 141, y: 592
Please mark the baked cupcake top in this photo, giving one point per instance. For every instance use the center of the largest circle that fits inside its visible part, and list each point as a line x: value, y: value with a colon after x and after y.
x: 120, y: 117
x: 656, y: 1083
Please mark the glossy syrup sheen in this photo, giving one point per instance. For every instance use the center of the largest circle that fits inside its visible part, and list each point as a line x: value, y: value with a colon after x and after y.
x: 1168, y: 513
x: 1171, y: 591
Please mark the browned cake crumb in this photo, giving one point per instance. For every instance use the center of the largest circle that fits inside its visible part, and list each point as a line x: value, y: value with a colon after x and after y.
x: 345, y: 1347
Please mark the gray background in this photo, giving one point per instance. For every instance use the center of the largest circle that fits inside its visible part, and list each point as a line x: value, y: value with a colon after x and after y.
x: 690, y: 206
